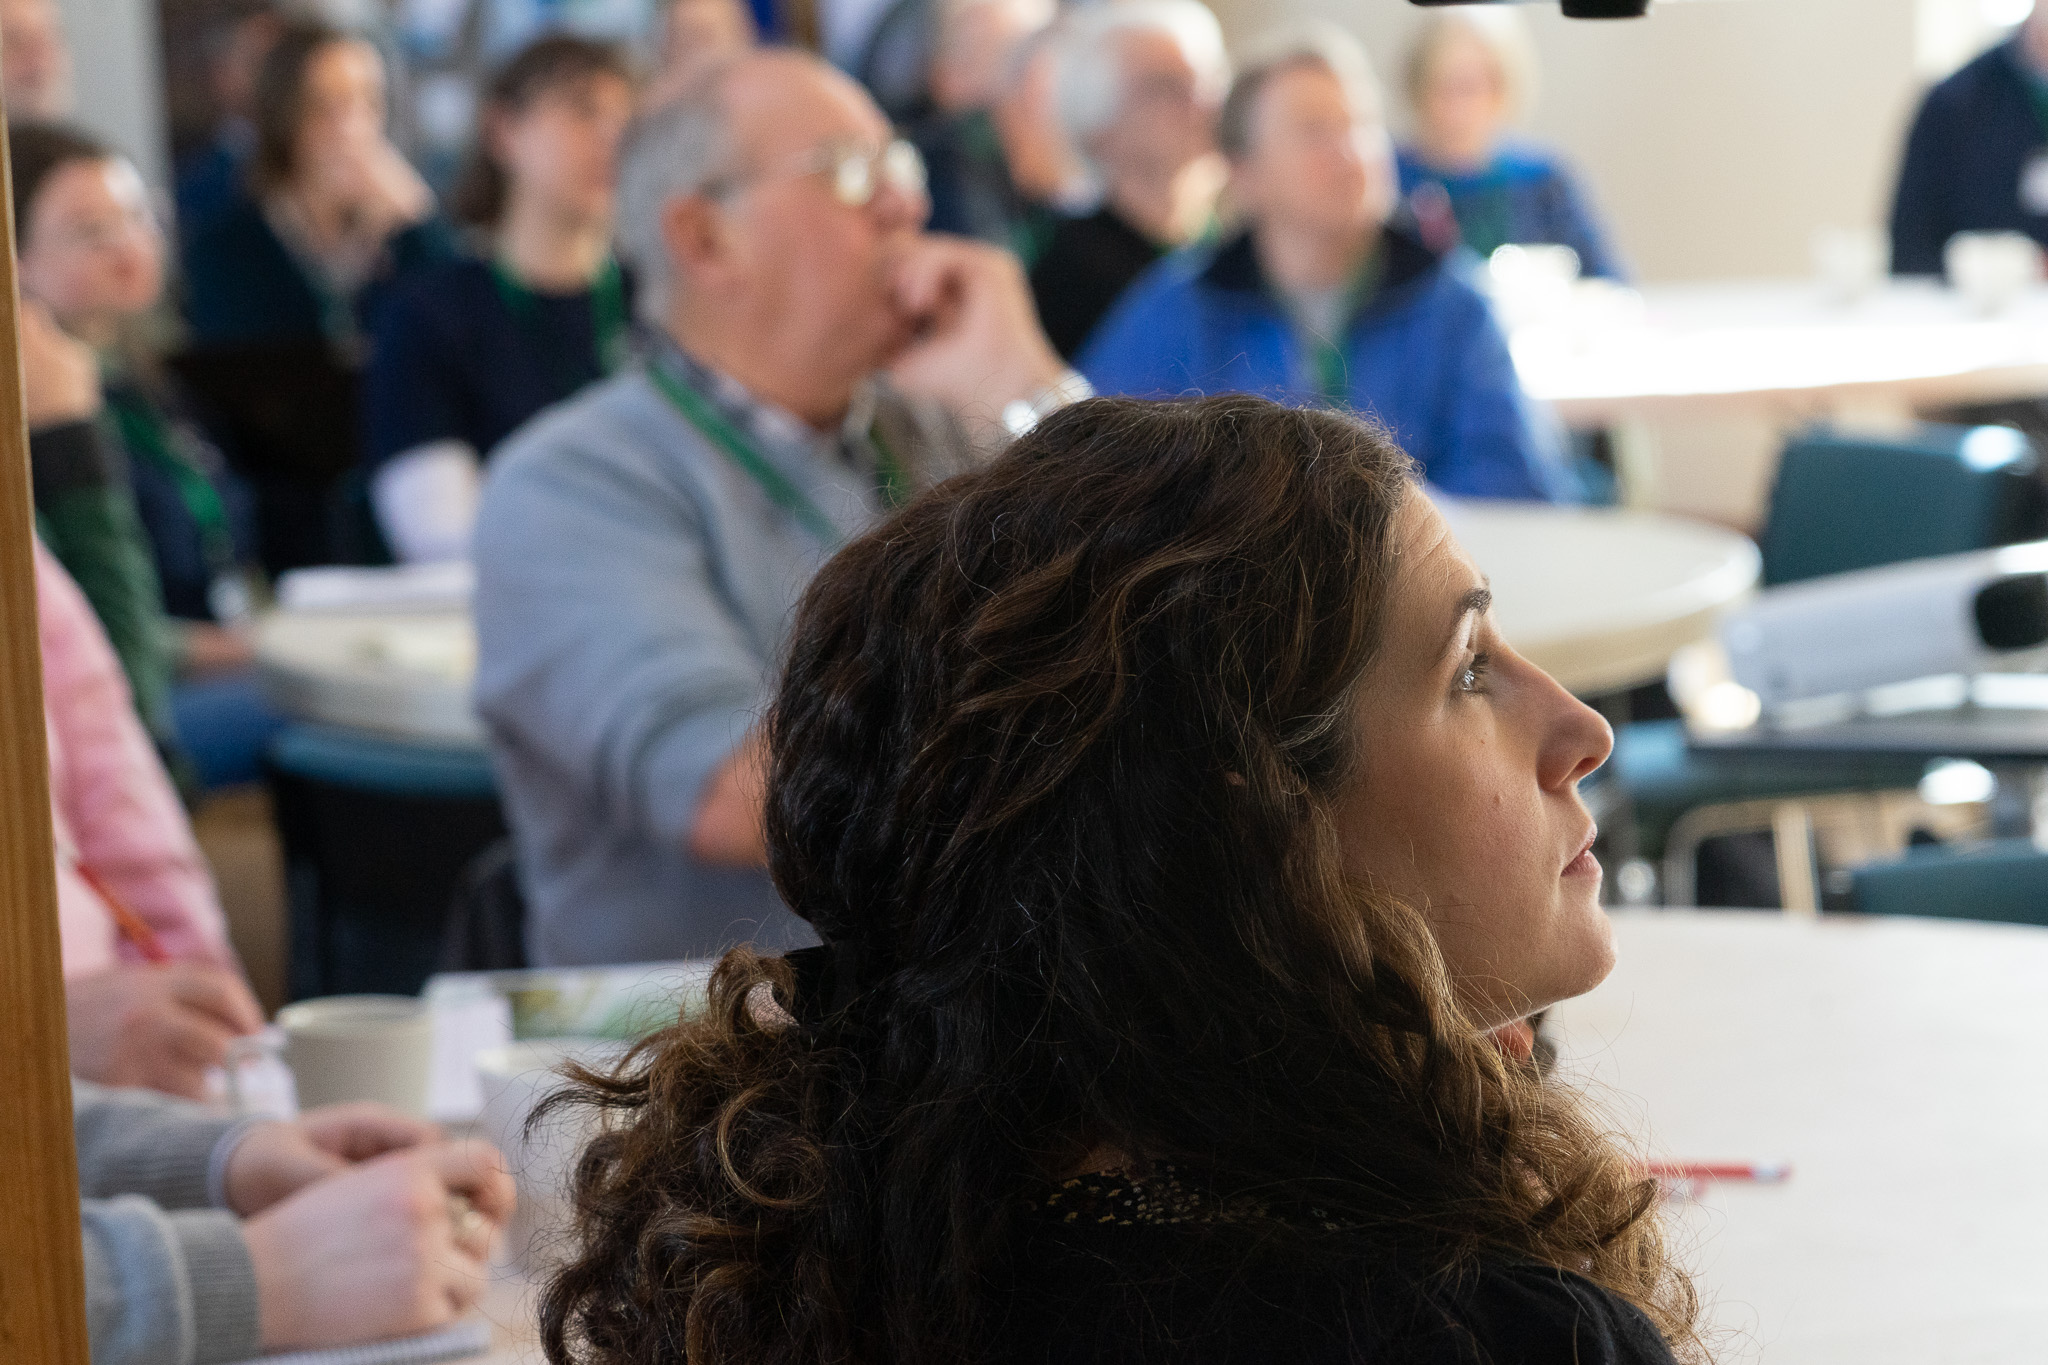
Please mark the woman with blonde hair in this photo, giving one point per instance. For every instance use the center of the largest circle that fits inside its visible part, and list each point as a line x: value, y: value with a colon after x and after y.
x: 1470, y: 75
x: 1181, y: 835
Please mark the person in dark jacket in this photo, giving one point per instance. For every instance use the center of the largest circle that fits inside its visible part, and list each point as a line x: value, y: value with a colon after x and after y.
x: 131, y: 497
x: 1328, y: 298
x: 1977, y: 157
x: 283, y: 285
x: 469, y: 349
x: 1468, y: 182
x: 1138, y: 90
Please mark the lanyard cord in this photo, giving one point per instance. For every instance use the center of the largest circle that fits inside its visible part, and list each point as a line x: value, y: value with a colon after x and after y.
x: 1332, y: 368
x: 607, y: 310
x: 146, y: 433
x: 890, y: 479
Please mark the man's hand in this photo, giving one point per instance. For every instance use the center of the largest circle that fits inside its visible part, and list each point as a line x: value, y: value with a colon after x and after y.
x: 730, y: 830
x: 60, y: 375
x: 976, y: 340
x: 277, y: 1160
x: 395, y: 1246
x: 158, y: 1026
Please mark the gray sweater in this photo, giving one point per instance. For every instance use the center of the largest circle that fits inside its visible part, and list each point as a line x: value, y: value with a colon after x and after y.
x: 168, y: 1280
x: 634, y: 591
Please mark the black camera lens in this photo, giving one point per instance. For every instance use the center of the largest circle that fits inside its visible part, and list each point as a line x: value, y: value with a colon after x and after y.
x: 1573, y: 9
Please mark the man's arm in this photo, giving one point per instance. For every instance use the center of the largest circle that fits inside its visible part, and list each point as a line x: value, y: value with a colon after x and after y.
x: 607, y: 651
x: 139, y: 1142
x: 167, y: 1288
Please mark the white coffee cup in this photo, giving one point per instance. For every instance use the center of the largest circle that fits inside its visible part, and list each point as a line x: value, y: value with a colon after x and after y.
x: 360, y: 1047
x: 515, y: 1078
x: 1850, y: 262
x: 1992, y: 269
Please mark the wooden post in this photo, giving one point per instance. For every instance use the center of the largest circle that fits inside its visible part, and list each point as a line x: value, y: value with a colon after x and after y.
x: 42, y: 1264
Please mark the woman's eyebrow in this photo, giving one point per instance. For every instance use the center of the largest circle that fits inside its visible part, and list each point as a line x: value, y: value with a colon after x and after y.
x: 1476, y: 601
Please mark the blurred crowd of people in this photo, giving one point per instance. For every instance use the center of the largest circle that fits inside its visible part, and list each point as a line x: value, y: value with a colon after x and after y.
x: 676, y: 329
x: 684, y: 321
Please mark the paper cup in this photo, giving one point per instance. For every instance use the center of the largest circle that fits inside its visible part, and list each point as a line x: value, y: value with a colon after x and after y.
x: 360, y: 1047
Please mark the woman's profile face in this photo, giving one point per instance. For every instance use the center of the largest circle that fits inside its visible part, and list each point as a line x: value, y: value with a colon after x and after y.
x: 92, y: 251
x: 1464, y: 801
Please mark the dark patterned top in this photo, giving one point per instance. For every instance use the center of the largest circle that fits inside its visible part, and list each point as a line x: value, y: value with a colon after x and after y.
x: 1161, y: 1269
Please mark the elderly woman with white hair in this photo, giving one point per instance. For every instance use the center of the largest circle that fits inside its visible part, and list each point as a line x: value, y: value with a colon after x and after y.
x: 1139, y: 87
x: 1470, y: 74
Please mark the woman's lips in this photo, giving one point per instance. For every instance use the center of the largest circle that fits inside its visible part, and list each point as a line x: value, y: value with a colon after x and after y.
x: 1585, y: 864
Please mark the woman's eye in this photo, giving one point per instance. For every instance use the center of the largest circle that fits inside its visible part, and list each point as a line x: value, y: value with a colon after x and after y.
x: 1472, y: 677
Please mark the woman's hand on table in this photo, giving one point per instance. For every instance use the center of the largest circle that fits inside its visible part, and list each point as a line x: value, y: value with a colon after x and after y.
x: 157, y: 1026
x: 393, y: 1246
x: 276, y: 1160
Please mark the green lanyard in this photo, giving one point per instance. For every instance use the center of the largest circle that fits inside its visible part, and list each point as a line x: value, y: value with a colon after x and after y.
x: 607, y: 309
x: 1332, y: 370
x: 149, y: 437
x: 890, y: 480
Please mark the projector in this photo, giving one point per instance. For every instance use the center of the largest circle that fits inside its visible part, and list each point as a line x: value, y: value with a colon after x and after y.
x: 1573, y: 9
x: 1982, y: 612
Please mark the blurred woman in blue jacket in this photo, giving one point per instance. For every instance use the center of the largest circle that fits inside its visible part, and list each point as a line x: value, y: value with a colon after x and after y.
x: 1469, y: 75
x: 1328, y: 298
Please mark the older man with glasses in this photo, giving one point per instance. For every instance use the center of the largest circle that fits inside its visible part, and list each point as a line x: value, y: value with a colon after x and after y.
x: 813, y: 357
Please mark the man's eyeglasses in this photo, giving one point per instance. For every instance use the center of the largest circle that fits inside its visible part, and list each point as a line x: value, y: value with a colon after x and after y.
x: 858, y: 172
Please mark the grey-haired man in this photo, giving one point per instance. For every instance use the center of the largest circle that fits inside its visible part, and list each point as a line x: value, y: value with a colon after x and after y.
x: 814, y: 356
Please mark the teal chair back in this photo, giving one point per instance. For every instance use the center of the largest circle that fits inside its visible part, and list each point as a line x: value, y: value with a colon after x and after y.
x: 2005, y: 880
x: 1844, y: 501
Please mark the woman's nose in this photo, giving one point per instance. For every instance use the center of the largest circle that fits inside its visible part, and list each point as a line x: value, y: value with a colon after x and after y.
x: 1577, y: 740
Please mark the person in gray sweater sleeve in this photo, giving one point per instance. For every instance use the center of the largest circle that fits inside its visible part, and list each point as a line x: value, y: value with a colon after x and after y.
x: 212, y: 1239
x: 813, y: 358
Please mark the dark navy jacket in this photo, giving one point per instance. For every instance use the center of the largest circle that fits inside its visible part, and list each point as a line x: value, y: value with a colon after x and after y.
x: 1424, y: 356
x: 1970, y: 144
x: 1525, y: 196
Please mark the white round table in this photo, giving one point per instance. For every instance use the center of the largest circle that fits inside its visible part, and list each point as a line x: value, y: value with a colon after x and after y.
x: 1781, y: 346
x: 1897, y: 1065
x: 1599, y: 597
x: 403, y: 673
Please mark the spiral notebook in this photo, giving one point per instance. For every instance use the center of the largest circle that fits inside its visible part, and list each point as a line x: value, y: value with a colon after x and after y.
x: 464, y: 1339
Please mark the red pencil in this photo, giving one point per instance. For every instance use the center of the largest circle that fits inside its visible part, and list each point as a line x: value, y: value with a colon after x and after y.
x: 1757, y: 1172
x: 133, y: 927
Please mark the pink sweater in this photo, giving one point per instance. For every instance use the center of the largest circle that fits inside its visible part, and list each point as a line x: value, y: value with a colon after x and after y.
x: 114, y: 808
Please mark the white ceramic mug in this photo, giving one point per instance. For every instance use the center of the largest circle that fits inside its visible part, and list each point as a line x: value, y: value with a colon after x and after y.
x: 360, y: 1047
x: 514, y: 1079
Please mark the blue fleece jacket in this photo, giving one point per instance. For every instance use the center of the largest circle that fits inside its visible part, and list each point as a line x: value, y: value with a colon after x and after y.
x: 1422, y: 354
x: 1971, y: 143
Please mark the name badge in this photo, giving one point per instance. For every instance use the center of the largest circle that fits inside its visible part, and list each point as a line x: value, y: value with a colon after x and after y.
x: 2034, y: 184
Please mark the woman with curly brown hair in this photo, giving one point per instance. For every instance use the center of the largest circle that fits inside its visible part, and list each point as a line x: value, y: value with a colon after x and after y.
x: 1181, y: 833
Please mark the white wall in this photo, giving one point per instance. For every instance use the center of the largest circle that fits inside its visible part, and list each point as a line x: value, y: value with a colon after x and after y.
x: 118, y: 70
x: 1718, y: 134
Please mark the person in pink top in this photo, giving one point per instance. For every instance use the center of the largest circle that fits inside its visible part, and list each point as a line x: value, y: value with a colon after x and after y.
x: 154, y: 1006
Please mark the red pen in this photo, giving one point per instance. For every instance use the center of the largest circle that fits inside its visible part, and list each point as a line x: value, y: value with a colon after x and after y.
x: 1756, y: 1172
x: 133, y: 927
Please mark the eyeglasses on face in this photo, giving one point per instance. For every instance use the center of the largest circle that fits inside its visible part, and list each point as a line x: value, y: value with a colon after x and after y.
x: 857, y: 171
